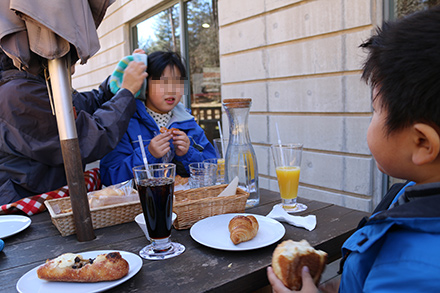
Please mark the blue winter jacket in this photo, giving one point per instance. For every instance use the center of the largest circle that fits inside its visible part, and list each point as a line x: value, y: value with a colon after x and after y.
x: 397, y: 249
x: 117, y: 166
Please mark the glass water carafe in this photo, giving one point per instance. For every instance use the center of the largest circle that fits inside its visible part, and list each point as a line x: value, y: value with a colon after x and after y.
x: 240, y: 159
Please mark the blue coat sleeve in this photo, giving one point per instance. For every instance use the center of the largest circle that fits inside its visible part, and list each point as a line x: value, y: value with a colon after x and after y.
x: 117, y: 166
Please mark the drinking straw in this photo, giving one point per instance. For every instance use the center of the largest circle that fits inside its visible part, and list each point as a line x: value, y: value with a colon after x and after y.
x: 144, y: 156
x: 278, y: 133
x: 279, y: 143
x: 221, y: 138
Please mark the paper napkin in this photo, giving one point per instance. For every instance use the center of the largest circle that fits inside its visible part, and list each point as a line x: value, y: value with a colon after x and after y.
x: 279, y: 214
x: 231, y: 189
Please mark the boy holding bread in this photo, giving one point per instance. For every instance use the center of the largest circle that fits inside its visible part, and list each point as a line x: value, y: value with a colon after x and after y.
x: 397, y: 248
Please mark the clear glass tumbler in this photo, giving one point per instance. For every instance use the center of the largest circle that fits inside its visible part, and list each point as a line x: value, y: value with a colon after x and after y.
x: 202, y: 174
x: 287, y: 160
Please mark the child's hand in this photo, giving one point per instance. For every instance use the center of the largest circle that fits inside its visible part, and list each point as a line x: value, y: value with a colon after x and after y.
x: 160, y: 145
x: 181, y: 142
x: 278, y: 286
x: 134, y: 76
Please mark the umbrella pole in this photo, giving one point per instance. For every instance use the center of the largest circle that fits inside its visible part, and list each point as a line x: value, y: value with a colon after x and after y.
x: 62, y: 97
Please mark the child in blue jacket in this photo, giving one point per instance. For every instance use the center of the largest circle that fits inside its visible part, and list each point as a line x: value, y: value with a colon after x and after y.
x: 187, y: 142
x: 397, y: 248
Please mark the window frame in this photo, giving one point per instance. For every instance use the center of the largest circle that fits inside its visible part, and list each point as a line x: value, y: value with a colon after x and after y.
x: 184, y: 52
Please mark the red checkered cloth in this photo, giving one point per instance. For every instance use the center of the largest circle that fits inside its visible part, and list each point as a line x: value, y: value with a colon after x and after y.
x: 35, y: 204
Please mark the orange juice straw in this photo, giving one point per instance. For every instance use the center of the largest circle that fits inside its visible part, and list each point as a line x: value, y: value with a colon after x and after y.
x: 279, y: 142
x: 144, y: 156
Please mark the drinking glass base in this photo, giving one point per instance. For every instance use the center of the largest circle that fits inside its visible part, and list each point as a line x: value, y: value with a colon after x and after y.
x: 299, y: 207
x: 252, y: 203
x: 148, y: 252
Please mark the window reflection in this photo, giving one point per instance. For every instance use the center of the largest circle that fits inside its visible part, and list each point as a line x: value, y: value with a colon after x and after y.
x: 405, y: 7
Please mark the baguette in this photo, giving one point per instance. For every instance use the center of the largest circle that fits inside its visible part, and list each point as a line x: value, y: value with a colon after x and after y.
x: 288, y: 259
x: 70, y: 267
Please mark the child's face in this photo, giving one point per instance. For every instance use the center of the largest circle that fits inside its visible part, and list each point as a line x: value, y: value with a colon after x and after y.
x: 164, y: 94
x: 389, y: 149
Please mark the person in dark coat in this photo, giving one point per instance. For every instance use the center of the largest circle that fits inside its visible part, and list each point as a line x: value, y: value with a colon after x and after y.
x: 31, y: 161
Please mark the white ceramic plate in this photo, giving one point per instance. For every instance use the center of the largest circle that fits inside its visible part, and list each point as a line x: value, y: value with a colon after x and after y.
x: 30, y: 282
x: 213, y: 232
x: 13, y: 224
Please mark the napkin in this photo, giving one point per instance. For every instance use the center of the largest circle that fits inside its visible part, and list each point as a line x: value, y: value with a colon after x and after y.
x: 279, y: 214
x: 231, y: 189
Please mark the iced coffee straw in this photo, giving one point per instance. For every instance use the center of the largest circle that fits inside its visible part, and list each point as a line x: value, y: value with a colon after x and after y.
x: 144, y: 156
x: 221, y: 138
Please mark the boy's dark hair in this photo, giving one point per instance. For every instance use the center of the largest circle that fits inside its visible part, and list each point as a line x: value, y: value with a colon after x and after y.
x: 404, y: 64
x: 159, y: 60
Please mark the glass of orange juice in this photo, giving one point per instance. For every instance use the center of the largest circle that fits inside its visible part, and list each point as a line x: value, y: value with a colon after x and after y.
x: 287, y: 160
x: 220, y: 145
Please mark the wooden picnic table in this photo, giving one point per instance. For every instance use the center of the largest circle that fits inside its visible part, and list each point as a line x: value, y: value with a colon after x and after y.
x: 198, y: 269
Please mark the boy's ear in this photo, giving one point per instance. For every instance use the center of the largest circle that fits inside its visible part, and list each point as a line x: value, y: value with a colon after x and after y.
x: 427, y: 144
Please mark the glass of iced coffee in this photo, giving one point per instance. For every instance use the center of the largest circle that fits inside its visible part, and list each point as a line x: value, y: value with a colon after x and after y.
x: 155, y: 185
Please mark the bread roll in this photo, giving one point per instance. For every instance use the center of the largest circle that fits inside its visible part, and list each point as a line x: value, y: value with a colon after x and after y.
x: 243, y: 228
x: 290, y: 257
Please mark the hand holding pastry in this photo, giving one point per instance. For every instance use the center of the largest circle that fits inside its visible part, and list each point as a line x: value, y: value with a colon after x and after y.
x: 160, y: 145
x: 181, y: 142
x: 288, y: 261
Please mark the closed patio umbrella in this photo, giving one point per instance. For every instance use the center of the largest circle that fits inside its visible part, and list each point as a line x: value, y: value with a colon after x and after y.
x: 60, y: 31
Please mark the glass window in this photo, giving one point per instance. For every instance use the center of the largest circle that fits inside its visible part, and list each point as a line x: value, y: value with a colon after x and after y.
x: 162, y: 32
x: 401, y: 8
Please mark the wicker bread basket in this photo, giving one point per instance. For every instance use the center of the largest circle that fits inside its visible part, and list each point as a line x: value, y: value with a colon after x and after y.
x: 101, y: 216
x: 195, y: 204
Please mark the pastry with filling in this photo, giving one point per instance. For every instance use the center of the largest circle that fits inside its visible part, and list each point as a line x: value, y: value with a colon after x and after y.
x: 70, y: 267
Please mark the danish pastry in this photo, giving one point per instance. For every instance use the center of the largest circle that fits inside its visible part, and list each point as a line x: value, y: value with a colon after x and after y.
x: 70, y: 267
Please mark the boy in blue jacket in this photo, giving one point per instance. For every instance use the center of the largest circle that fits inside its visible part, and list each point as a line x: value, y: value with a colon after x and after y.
x: 397, y: 248
x: 185, y: 144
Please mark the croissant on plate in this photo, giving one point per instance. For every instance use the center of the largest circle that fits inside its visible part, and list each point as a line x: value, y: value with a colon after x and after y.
x: 243, y: 228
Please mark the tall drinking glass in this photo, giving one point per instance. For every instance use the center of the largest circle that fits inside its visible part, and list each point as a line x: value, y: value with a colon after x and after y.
x: 220, y: 146
x: 155, y: 186
x: 287, y: 159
